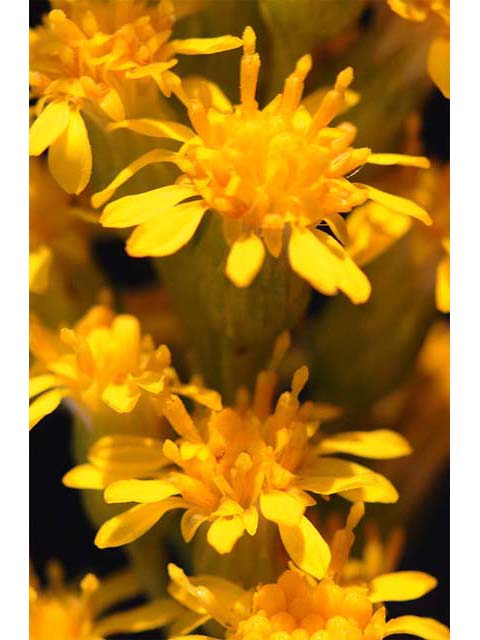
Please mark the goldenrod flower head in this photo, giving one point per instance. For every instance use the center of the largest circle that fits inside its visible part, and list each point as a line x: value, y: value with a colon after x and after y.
x: 438, y: 61
x: 249, y: 462
x: 273, y: 175
x: 86, y: 56
x: 66, y: 612
x: 299, y: 607
x: 56, y: 229
x: 103, y: 362
x: 373, y: 228
x: 60, y: 612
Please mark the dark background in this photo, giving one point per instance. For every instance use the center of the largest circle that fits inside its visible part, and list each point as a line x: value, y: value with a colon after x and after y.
x: 58, y: 526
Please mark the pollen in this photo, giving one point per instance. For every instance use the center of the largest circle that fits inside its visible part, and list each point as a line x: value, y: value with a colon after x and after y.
x: 296, y: 608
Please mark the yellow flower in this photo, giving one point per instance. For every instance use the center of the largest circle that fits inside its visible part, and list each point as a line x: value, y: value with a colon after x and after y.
x: 438, y: 62
x: 57, y: 234
x: 103, y: 363
x: 249, y: 462
x: 86, y: 57
x: 62, y: 612
x: 299, y: 607
x: 273, y: 175
x: 373, y: 228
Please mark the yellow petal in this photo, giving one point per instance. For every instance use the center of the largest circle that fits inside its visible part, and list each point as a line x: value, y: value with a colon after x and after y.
x: 426, y: 628
x: 190, y: 522
x: 281, y: 507
x: 49, y: 125
x: 327, y: 476
x: 86, y: 476
x: 41, y: 383
x: 442, y: 286
x: 250, y: 520
x: 152, y: 615
x: 136, y: 209
x: 207, y: 397
x: 132, y: 524
x: 397, y: 204
x: 40, y: 261
x: 381, y: 444
x: 198, y: 46
x: 127, y: 455
x: 120, y: 397
x: 112, y: 104
x: 170, y: 231
x: 438, y: 64
x: 400, y: 586
x: 207, y: 92
x: 43, y: 405
x: 139, y: 491
x: 70, y: 156
x: 306, y: 547
x: 155, y: 128
x: 224, y: 533
x: 151, y: 157
x: 400, y: 159
x: 245, y: 260
x: 324, y: 263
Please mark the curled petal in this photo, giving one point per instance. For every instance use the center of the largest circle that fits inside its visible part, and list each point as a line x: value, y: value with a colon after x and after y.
x: 306, y: 547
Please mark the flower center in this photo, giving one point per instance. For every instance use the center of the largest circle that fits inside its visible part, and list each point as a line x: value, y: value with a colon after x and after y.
x: 280, y: 164
x: 296, y: 609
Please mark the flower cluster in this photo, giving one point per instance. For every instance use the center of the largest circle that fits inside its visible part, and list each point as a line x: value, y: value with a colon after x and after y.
x: 260, y: 213
x: 272, y: 175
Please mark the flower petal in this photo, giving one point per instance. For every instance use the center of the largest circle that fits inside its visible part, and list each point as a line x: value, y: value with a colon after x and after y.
x: 324, y: 263
x: 306, y: 547
x: 49, y: 125
x: 438, y: 63
x: 148, y: 616
x: 151, y: 157
x: 400, y: 586
x: 402, y: 159
x: 136, y: 209
x: 155, y: 128
x: 127, y: 455
x: 207, y: 92
x: 426, y: 628
x: 245, y: 260
x: 120, y: 397
x: 86, y: 476
x: 281, y: 507
x: 224, y: 533
x: 381, y: 444
x: 327, y: 476
x: 41, y: 383
x: 190, y: 522
x: 397, y: 204
x: 139, y: 491
x: 169, y: 232
x: 43, y: 405
x: 70, y: 156
x: 204, y: 46
x: 132, y: 524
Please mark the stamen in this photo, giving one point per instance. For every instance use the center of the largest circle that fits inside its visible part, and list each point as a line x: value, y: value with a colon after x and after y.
x: 294, y: 84
x: 249, y: 69
x: 332, y: 103
x: 198, y: 117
